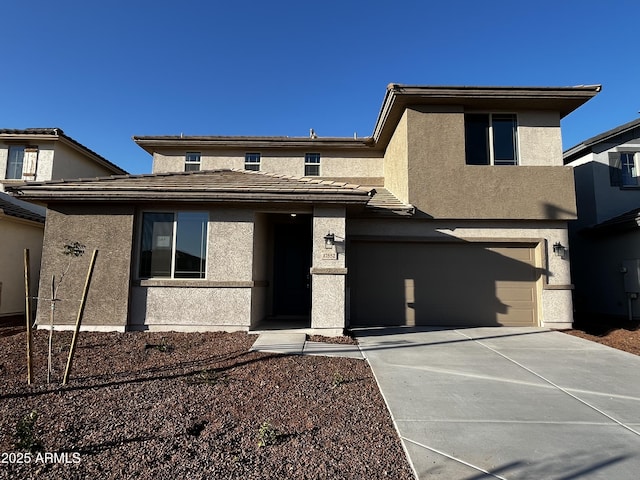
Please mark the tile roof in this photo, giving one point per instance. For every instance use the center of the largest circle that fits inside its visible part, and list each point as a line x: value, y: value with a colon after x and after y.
x: 212, y: 185
x: 384, y: 202
x: 12, y: 209
x: 58, y: 132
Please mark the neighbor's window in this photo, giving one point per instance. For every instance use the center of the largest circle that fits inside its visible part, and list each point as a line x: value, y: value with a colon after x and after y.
x: 629, y: 173
x: 173, y: 244
x: 15, y: 162
x: 491, y: 139
x: 623, y: 169
x: 252, y: 161
x: 191, y: 162
x: 311, y: 164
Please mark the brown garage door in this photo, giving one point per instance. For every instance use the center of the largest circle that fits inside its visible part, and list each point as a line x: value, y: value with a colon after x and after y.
x: 456, y: 284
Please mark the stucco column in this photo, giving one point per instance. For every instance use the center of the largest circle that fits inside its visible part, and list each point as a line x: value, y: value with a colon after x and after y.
x: 556, y: 293
x: 328, y: 271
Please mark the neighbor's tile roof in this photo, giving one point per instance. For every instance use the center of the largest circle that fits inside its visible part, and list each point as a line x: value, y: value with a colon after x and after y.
x: 12, y: 210
x: 212, y: 185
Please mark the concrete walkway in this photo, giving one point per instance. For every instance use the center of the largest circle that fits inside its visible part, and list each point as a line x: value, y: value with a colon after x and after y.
x: 509, y: 403
x: 297, y: 344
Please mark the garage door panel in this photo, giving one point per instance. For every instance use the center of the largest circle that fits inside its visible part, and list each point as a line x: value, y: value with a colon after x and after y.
x: 442, y: 284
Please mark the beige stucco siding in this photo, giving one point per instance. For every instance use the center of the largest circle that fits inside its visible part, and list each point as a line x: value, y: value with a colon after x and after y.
x: 106, y: 228
x: 192, y: 308
x: 17, y: 235
x: 70, y: 163
x: 223, y: 299
x: 332, y: 163
x: 441, y: 185
x: 539, y: 139
x: 396, y: 168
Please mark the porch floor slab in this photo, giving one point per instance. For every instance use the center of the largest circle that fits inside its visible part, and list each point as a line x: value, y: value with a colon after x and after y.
x: 286, y: 343
x: 296, y: 344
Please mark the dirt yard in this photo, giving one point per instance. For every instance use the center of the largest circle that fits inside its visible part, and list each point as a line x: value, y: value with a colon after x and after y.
x: 164, y: 406
x: 616, y: 333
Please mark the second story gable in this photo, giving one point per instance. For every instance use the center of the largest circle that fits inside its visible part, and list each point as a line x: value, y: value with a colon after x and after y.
x: 607, y: 174
x: 451, y: 152
x: 40, y: 154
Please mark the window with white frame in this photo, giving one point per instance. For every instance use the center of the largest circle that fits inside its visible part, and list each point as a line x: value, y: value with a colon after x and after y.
x: 15, y: 162
x: 192, y: 161
x: 623, y: 169
x: 491, y: 138
x: 252, y: 161
x: 629, y: 166
x: 311, y: 164
x: 173, y: 245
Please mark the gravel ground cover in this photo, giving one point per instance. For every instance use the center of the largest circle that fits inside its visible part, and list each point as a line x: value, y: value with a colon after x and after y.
x: 198, y: 405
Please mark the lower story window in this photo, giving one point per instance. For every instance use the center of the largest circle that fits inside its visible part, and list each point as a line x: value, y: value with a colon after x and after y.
x: 173, y: 244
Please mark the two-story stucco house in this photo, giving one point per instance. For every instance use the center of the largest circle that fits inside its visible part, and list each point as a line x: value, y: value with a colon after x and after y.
x: 446, y: 215
x: 34, y: 154
x: 605, y: 239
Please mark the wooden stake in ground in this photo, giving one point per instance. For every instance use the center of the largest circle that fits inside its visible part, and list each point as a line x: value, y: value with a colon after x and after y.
x: 27, y: 310
x: 79, y: 318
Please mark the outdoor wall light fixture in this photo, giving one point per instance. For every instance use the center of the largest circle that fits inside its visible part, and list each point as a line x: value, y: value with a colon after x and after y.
x: 329, y: 240
x: 559, y: 249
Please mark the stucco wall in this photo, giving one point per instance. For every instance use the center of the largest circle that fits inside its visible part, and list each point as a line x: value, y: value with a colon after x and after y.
x: 554, y: 284
x: 107, y: 229
x: 441, y: 185
x: 332, y: 164
x: 17, y: 235
x: 608, y: 201
x: 328, y: 294
x: 396, y: 158
x: 220, y: 301
x: 539, y: 138
x: 70, y: 163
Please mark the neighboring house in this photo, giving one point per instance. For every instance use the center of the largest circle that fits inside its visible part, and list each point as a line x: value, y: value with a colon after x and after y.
x: 605, y: 240
x: 446, y: 215
x: 34, y: 154
x: 21, y: 226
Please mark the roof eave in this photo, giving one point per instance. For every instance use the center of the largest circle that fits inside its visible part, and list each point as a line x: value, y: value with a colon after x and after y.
x: 151, y: 143
x: 564, y: 100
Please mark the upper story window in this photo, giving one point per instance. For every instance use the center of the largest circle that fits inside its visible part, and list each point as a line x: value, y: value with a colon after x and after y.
x: 173, y: 245
x: 623, y: 169
x: 252, y: 161
x: 192, y: 161
x: 15, y: 162
x: 491, y: 139
x: 311, y: 164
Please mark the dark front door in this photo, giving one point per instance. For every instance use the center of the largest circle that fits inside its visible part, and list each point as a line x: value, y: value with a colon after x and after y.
x: 292, y: 261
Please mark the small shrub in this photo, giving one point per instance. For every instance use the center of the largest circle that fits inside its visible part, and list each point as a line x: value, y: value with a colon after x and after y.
x: 267, y: 435
x: 163, y: 346
x: 338, y: 380
x: 25, y: 433
x: 209, y: 377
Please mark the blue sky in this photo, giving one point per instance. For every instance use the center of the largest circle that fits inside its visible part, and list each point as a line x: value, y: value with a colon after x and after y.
x: 104, y: 72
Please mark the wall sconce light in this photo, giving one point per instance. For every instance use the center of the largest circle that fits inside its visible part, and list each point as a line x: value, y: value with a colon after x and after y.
x: 329, y: 240
x: 559, y: 249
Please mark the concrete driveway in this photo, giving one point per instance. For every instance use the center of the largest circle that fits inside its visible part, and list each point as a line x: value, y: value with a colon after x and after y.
x: 509, y: 403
